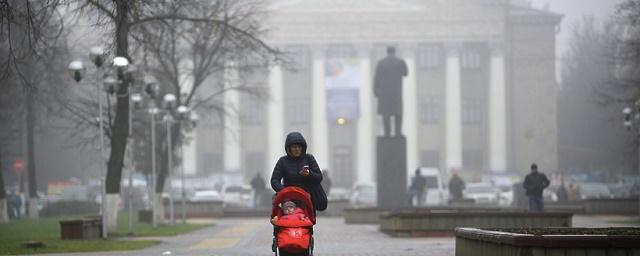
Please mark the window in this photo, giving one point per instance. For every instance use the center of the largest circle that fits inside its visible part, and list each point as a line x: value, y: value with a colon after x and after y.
x: 299, y: 56
x: 430, y: 158
x: 297, y: 110
x: 341, y: 52
x: 430, y: 56
x: 252, y: 111
x: 430, y: 109
x: 470, y: 58
x: 472, y: 111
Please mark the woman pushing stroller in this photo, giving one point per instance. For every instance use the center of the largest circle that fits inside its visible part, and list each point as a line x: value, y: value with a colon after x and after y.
x: 296, y: 179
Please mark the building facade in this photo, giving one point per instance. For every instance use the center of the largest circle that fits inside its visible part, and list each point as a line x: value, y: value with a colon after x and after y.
x: 480, y: 95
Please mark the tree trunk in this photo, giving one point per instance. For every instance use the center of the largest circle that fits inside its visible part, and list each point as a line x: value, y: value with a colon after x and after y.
x: 158, y: 209
x: 163, y: 173
x: 31, y: 163
x: 113, y: 202
x: 4, y: 217
x: 121, y: 122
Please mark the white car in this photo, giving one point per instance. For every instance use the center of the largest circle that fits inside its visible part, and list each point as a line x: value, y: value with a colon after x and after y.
x: 206, y: 196
x: 239, y: 195
x: 482, y: 193
x: 364, y: 195
x: 338, y: 194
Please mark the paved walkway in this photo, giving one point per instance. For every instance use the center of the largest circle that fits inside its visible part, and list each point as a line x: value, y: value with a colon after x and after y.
x: 252, y: 236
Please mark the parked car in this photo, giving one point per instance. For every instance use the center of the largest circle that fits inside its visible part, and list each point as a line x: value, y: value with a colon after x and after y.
x: 549, y: 196
x: 620, y: 190
x: 206, y: 196
x: 594, y: 190
x: 436, y: 191
x: 364, y: 195
x: 339, y: 194
x: 238, y: 195
x: 482, y: 193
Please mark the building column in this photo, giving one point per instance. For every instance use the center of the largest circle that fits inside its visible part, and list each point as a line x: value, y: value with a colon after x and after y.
x: 497, y: 111
x: 276, y: 119
x: 410, y: 112
x: 366, y: 155
x: 453, y: 116
x: 320, y: 131
x: 232, y: 149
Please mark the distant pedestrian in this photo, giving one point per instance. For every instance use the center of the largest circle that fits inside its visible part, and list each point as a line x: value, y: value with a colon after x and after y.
x: 417, y: 188
x: 259, y: 187
x: 11, y: 205
x: 534, y: 183
x: 326, y: 182
x: 456, y: 186
x: 572, y: 193
x: 17, y: 203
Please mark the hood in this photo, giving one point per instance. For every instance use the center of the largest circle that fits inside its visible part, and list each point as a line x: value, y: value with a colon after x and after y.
x: 295, y: 138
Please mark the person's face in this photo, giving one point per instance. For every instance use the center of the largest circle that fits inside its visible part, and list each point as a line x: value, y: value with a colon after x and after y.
x: 289, y: 209
x: 534, y: 170
x: 295, y: 150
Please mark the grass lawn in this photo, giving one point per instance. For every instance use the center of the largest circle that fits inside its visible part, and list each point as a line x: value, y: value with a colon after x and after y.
x: 145, y: 229
x: 630, y: 222
x: 47, y: 230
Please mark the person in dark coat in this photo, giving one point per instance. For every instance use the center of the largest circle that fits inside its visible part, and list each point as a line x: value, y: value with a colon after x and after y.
x: 534, y: 183
x: 259, y: 186
x: 418, y: 184
x: 326, y: 182
x: 456, y: 185
x: 297, y: 168
x: 387, y: 87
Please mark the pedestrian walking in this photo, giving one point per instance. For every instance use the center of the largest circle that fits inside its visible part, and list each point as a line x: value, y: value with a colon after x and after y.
x: 456, y: 186
x: 416, y: 190
x: 534, y: 183
x: 300, y: 169
x: 259, y: 187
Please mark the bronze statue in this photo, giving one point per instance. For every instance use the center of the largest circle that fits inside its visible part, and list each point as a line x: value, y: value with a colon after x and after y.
x: 387, y: 87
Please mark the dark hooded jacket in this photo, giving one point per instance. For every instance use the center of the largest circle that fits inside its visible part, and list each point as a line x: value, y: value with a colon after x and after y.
x: 286, y: 172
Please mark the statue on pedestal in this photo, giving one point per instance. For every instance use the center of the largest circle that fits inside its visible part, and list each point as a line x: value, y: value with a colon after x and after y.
x: 387, y: 87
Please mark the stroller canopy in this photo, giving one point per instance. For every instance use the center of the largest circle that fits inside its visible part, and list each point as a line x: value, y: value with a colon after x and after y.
x: 294, y: 194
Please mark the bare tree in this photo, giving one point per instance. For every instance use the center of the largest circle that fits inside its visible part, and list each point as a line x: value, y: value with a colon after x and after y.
x: 29, y: 33
x: 212, y: 32
x: 590, y: 130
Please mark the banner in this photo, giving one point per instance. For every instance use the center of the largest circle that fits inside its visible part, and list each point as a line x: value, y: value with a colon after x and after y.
x: 342, y: 83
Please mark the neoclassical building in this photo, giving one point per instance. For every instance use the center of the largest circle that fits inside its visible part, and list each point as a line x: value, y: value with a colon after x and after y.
x: 480, y: 95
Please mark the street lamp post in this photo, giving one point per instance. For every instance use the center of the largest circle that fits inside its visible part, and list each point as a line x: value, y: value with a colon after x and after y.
x: 169, y: 102
x: 96, y: 54
x: 632, y: 115
x: 151, y: 88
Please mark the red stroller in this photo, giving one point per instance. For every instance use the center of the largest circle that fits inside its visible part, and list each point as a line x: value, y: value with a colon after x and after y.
x: 293, y: 237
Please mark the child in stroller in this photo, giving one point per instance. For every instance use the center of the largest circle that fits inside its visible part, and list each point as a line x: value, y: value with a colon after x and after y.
x: 293, y: 218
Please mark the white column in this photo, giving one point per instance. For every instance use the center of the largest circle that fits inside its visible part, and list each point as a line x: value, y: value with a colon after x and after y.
x: 231, y: 122
x: 276, y: 119
x: 453, y: 110
x: 366, y: 159
x: 497, y: 112
x: 410, y: 113
x: 320, y: 146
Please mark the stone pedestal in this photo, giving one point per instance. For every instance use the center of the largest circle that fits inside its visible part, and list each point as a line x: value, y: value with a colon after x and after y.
x: 392, y: 172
